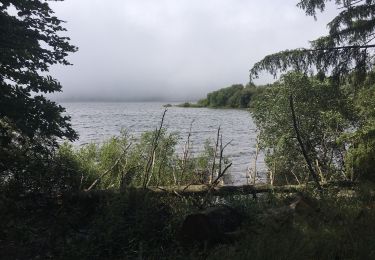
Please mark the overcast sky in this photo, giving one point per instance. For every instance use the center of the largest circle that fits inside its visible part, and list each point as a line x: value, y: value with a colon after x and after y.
x: 174, y: 49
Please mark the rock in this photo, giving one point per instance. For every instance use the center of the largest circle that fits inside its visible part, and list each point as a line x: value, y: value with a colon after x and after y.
x: 210, y: 226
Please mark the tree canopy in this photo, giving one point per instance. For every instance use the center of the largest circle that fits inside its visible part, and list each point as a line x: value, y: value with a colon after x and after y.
x: 330, y: 117
x: 30, y: 43
x: 348, y: 47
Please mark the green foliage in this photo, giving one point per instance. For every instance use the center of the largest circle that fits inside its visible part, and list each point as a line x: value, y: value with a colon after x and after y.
x: 30, y: 124
x: 341, y: 229
x: 122, y: 161
x: 101, y: 225
x: 346, y: 54
x: 188, y: 104
x: 30, y: 44
x: 92, y: 160
x: 336, y: 122
x: 163, y: 160
x: 137, y: 224
x: 348, y: 46
x: 235, y: 96
x: 361, y: 143
x: 50, y: 172
x: 203, y: 102
x: 221, y: 98
x: 322, y: 111
x: 361, y: 155
x: 132, y: 224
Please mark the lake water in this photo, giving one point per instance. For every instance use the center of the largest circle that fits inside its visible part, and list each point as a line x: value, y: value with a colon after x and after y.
x: 96, y: 122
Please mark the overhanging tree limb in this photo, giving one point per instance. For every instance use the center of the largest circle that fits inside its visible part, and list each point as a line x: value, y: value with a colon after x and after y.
x: 342, y: 47
x: 339, y: 60
x: 347, y: 47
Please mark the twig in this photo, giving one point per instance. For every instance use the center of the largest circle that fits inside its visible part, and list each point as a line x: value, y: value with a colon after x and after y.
x: 295, y: 176
x: 273, y: 173
x: 186, y: 150
x: 339, y: 48
x: 221, y: 154
x: 256, y: 159
x: 216, y: 181
x: 348, y: 5
x: 320, y: 171
x: 221, y: 173
x: 151, y: 158
x: 214, y: 156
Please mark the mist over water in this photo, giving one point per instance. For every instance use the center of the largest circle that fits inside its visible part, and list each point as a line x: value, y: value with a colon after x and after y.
x: 96, y: 122
x: 174, y: 50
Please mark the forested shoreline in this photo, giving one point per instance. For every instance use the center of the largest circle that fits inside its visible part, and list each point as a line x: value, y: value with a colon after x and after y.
x: 235, y: 96
x: 127, y: 198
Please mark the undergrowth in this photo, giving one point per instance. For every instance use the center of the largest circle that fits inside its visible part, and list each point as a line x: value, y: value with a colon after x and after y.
x: 138, y: 224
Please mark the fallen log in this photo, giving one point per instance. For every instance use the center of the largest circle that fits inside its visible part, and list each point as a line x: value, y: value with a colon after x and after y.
x: 239, y: 190
x: 224, y: 190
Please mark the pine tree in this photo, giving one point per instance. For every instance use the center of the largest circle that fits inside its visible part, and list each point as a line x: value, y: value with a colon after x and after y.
x: 349, y: 46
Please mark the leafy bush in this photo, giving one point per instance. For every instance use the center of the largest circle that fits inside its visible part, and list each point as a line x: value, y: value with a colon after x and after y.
x: 360, y: 158
x: 122, y: 161
x: 30, y: 123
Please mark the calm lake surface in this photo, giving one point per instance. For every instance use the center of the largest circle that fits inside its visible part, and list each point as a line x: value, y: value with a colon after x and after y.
x: 95, y: 122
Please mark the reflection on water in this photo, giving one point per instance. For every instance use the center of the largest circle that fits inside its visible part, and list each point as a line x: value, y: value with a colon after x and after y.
x: 96, y: 122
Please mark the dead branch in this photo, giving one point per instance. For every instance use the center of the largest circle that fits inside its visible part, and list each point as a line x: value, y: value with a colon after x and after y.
x: 186, y: 150
x: 256, y: 159
x: 215, y: 153
x: 154, y: 146
x: 308, y: 161
x: 221, y: 173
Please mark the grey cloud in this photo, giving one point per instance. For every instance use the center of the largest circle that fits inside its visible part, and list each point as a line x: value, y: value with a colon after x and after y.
x: 174, y: 49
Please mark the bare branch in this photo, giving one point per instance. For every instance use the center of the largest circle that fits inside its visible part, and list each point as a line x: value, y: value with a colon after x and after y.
x: 215, y: 153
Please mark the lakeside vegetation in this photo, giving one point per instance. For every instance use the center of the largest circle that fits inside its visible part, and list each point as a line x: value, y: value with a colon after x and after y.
x: 93, y: 202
